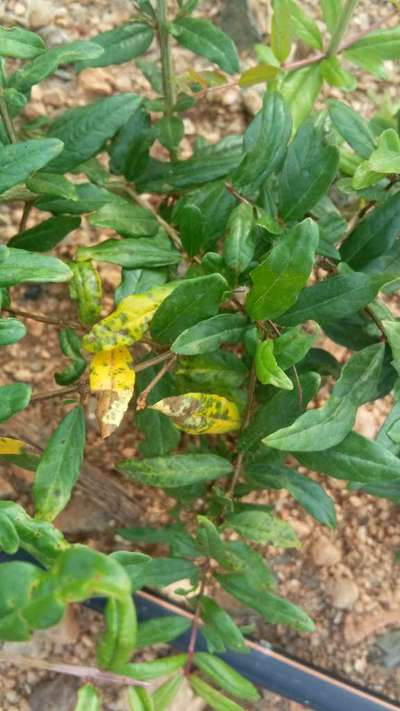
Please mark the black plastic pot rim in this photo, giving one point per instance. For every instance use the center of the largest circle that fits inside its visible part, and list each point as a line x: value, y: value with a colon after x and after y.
x: 267, y: 668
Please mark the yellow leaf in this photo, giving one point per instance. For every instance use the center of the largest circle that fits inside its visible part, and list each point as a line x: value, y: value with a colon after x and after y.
x: 200, y: 413
x: 11, y: 446
x: 112, y: 379
x: 128, y: 322
x: 258, y: 74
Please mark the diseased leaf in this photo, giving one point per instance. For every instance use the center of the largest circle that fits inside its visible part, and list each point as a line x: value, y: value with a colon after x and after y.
x: 206, y: 39
x: 191, y: 301
x: 200, y: 413
x: 112, y: 379
x: 59, y: 466
x: 263, y: 527
x: 279, y: 278
x: 176, y: 470
x: 128, y: 322
x: 87, y: 289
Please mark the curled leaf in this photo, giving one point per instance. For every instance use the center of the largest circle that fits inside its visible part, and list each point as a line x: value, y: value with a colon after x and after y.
x: 112, y: 379
x: 128, y: 322
x: 8, y: 445
x: 201, y: 413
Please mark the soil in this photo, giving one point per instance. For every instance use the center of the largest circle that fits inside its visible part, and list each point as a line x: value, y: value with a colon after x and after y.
x: 346, y: 579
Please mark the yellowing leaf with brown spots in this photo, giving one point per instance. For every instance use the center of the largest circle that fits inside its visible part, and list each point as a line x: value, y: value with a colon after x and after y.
x: 200, y: 413
x: 112, y: 379
x: 8, y: 445
x: 128, y: 322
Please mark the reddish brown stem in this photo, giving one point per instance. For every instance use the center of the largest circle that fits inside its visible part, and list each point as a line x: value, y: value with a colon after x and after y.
x: 142, y: 400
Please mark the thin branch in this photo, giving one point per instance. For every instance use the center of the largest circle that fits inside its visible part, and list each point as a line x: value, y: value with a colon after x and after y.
x: 376, y: 321
x: 144, y: 364
x: 98, y: 675
x: 142, y: 400
x: 39, y: 317
x: 298, y: 385
x: 57, y: 392
x: 197, y: 618
x: 25, y: 215
x: 250, y: 401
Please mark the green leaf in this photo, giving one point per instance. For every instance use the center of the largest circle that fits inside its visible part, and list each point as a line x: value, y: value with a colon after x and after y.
x: 300, y: 90
x: 88, y: 699
x: 166, y: 693
x: 38, y: 538
x: 267, y: 368
x: 120, y: 45
x: 279, y: 411
x: 369, y: 60
x: 333, y: 73
x: 133, y: 253
x: 328, y: 425
x: 211, y: 696
x: 44, y: 183
x: 146, y: 671
x: 160, y: 572
x: 383, y: 437
x: 266, y: 140
x: 9, y: 539
x: 170, y: 131
x: 334, y: 298
x: 331, y: 11
x: 219, y: 629
x: 222, y: 674
x: 275, y: 610
x: 304, y: 27
x: 46, y: 235
x: 210, y: 372
x: 208, y: 335
x: 263, y: 527
x: 174, y: 536
x: 356, y: 458
x: 352, y: 127
x: 18, y: 580
x: 82, y: 572
x: 47, y: 63
x: 175, y: 470
x: 309, y: 169
x: 89, y: 198
x: 118, y: 641
x: 59, y: 466
x: 19, y: 43
x: 204, y: 38
x: 85, y: 129
x: 70, y: 344
x: 161, y: 629
x: 212, y: 546
x: 191, y: 301
x: 386, y: 157
x: 279, y: 278
x: 306, y: 491
x: 11, y: 331
x: 139, y: 699
x: 239, y: 243
x: 383, y: 43
x: 281, y: 29
x: 134, y: 564
x: 392, y: 331
x: 13, y: 399
x: 292, y: 346
x: 127, y: 219
x: 86, y: 288
x: 18, y: 161
x: 21, y: 265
